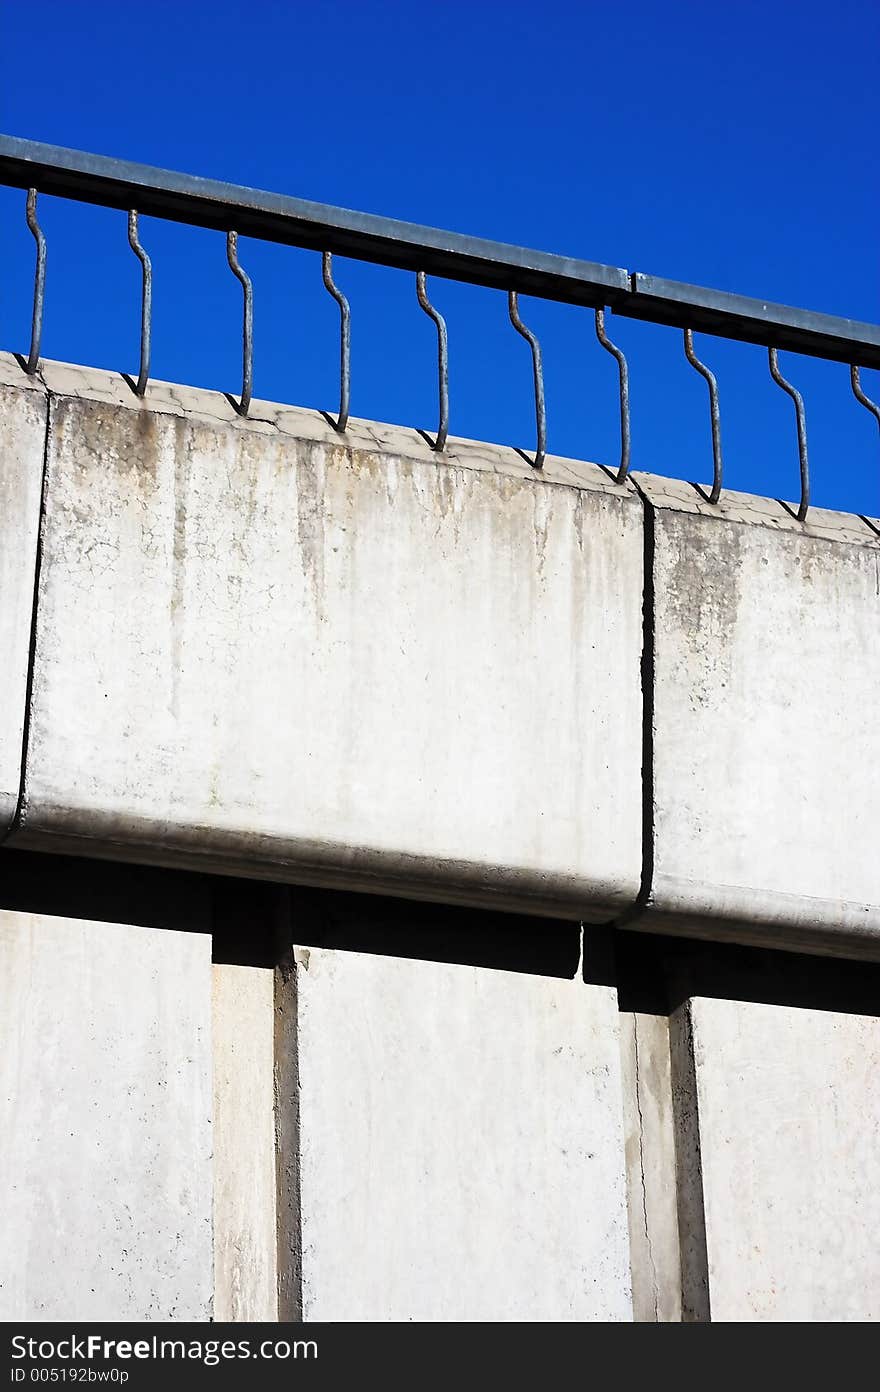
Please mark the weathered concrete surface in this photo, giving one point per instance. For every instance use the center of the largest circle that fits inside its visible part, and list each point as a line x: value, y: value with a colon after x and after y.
x: 766, y: 743
x: 23, y: 411
x: 461, y: 1144
x: 691, y: 1209
x: 105, y: 1121
x: 261, y: 648
x: 652, y: 1198
x: 245, y: 1266
x: 789, y: 1117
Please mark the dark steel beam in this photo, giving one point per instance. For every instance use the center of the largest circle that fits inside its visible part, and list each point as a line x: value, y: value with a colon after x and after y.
x: 754, y: 321
x: 275, y: 217
x: 296, y: 222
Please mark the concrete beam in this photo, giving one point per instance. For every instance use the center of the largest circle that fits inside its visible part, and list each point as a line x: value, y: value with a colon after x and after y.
x: 264, y: 648
x: 765, y: 799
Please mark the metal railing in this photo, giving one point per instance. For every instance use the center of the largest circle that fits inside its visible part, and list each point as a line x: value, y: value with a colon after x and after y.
x: 138, y: 189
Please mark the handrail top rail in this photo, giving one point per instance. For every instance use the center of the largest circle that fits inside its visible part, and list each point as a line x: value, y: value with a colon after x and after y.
x: 293, y: 221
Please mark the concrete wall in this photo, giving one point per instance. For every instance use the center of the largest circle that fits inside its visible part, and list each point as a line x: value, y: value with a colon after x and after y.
x: 257, y: 649
x: 417, y: 1141
x: 789, y: 1125
x: 461, y: 1144
x: 105, y: 1121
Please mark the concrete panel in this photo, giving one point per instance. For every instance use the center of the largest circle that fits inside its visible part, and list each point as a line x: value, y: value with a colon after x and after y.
x: 245, y: 1267
x: 766, y: 744
x: 263, y: 648
x: 23, y: 411
x: 789, y: 1119
x: 105, y: 1121
x: 461, y: 1151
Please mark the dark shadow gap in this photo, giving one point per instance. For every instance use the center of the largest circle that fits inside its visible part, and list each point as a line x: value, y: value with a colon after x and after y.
x: 657, y: 974
x: 425, y: 932
x: 252, y: 925
x: 254, y: 922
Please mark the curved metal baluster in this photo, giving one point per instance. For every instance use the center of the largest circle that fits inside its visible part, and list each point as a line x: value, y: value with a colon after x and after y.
x: 247, y: 371
x: 855, y: 379
x: 801, y: 432
x: 869, y: 405
x: 344, y: 342
x: 33, y: 361
x: 146, y: 302
x: 442, y: 360
x: 714, y: 412
x: 624, y: 394
x: 537, y: 368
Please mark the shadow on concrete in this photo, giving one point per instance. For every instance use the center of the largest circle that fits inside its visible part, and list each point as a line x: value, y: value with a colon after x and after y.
x: 656, y: 974
x: 254, y: 922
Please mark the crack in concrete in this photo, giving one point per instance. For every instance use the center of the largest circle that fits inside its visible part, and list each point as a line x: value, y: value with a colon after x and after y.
x: 20, y: 814
x: 655, y: 1294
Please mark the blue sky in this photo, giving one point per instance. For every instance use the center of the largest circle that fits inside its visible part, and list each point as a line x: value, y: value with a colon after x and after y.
x: 728, y: 145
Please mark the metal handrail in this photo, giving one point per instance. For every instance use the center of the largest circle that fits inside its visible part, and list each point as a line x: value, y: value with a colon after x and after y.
x: 137, y: 189
x: 277, y: 217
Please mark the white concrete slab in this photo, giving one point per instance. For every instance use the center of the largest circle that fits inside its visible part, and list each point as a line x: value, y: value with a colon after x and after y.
x: 105, y: 1121
x: 789, y: 1123
x: 461, y: 1144
x: 245, y: 1266
x: 766, y: 745
x: 23, y: 412
x: 259, y: 648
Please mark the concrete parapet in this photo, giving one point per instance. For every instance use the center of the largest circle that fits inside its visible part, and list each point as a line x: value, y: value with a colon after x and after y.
x: 264, y: 648
x: 260, y: 647
x: 766, y: 650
